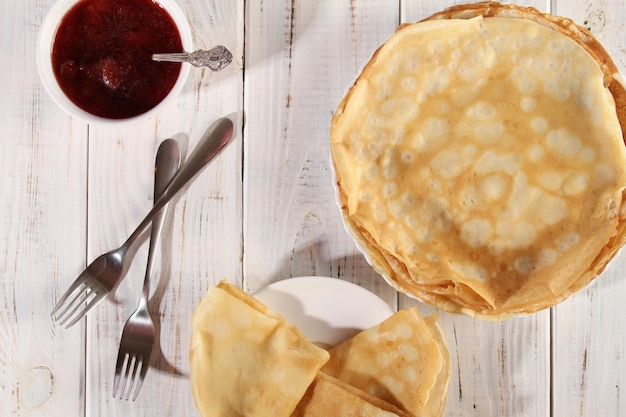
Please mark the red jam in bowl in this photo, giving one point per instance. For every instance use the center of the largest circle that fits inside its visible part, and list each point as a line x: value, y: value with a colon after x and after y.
x: 102, y: 56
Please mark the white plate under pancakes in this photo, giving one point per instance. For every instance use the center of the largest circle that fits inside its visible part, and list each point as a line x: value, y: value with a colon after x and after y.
x: 328, y: 311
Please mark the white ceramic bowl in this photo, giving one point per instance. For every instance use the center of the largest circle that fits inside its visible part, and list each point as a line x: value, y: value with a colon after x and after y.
x: 45, y: 41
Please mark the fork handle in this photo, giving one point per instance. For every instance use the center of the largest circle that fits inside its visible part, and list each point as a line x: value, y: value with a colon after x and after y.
x: 165, y: 168
x: 214, y: 139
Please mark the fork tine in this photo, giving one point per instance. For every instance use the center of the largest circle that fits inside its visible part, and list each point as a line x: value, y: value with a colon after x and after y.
x: 130, y: 371
x: 92, y: 300
x: 80, y: 291
x: 76, y: 285
x: 137, y: 363
x: 122, y: 370
x: 119, y: 366
x: 127, y: 379
x: 142, y: 375
x: 73, y: 303
x: 86, y: 296
x: 122, y: 376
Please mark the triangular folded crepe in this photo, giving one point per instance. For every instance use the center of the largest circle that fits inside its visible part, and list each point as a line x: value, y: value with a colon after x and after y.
x: 439, y: 393
x: 246, y: 360
x: 403, y: 360
x: 330, y: 397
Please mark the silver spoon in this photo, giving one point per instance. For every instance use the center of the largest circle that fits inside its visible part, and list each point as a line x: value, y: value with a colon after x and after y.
x: 216, y: 58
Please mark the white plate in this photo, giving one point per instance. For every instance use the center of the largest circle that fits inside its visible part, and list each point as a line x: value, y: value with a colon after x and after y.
x: 327, y: 310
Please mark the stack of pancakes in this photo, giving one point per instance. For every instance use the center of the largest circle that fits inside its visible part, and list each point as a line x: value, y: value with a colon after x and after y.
x: 480, y: 159
x: 247, y: 360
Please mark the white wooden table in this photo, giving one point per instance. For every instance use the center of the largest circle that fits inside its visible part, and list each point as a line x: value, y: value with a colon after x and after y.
x: 263, y: 211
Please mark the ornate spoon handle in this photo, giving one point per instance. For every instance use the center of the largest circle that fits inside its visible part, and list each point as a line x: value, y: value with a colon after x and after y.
x: 216, y: 58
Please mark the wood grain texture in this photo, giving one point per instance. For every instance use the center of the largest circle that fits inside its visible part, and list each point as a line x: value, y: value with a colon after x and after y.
x: 300, y: 58
x: 588, y: 338
x: 42, y: 224
x: 263, y: 211
x: 202, y: 237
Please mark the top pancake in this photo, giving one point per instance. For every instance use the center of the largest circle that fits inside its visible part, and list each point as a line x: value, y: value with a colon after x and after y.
x: 480, y: 160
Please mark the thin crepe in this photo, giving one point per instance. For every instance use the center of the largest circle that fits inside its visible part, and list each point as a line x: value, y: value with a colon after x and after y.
x: 403, y: 361
x: 480, y: 160
x: 245, y: 359
x: 328, y: 396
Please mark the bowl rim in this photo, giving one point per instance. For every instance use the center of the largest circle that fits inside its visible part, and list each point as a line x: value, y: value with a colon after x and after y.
x: 45, y: 42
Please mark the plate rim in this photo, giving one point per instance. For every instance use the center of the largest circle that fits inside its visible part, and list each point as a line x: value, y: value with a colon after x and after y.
x: 330, y: 330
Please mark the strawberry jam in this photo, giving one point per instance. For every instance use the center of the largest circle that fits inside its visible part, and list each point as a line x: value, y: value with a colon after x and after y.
x: 102, y: 56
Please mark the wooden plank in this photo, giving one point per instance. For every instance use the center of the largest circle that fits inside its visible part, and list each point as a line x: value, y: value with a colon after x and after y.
x: 42, y: 224
x: 589, y: 368
x: 498, y: 369
x: 202, y: 237
x: 300, y: 58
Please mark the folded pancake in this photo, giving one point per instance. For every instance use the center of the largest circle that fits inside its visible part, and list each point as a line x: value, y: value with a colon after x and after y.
x: 245, y: 359
x: 480, y: 160
x: 328, y: 396
x: 403, y: 360
x: 438, y: 394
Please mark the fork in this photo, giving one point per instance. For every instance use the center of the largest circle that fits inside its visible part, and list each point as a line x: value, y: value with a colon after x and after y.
x: 139, y: 331
x: 108, y: 270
